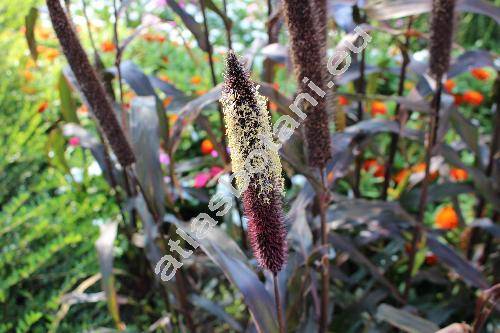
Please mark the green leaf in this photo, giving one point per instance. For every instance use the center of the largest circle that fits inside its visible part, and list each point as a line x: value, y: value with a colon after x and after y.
x: 29, y: 23
x: 68, y: 103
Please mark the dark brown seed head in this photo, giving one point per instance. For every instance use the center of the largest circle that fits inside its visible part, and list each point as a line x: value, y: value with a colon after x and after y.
x: 307, y: 50
x: 441, y: 36
x: 89, y: 83
x: 248, y: 126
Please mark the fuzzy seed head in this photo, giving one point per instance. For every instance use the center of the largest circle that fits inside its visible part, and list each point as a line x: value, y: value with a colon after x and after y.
x: 441, y: 36
x: 248, y: 130
x: 89, y: 83
x: 307, y: 39
x: 248, y: 127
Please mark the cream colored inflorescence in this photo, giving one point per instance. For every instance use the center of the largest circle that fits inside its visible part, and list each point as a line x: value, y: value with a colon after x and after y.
x: 254, y: 154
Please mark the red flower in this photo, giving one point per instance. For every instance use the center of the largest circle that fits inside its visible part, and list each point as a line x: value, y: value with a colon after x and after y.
x: 449, y: 85
x: 206, y: 147
x: 378, y: 107
x: 458, y: 174
x: 473, y: 97
x: 458, y: 99
x: 43, y: 106
x: 374, y: 167
x: 107, y: 46
x: 431, y: 259
x: 343, y: 100
x: 480, y: 74
x: 446, y: 218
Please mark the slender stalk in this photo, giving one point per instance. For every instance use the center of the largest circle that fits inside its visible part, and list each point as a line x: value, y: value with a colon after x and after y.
x: 89, y: 30
x: 227, y: 25
x: 360, y: 88
x: 494, y: 147
x: 244, y: 242
x: 432, y: 138
x: 325, y: 273
x: 214, y: 78
x: 395, y: 136
x: 279, y: 309
x: 118, y: 58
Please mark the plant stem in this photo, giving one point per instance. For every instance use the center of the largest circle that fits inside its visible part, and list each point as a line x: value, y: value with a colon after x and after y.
x: 279, y: 309
x: 395, y: 136
x: 360, y: 90
x: 227, y: 25
x: 432, y: 138
x: 214, y: 78
x: 494, y: 147
x: 325, y: 276
x: 117, y: 64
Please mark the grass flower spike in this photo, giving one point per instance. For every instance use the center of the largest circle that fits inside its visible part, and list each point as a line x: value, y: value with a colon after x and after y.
x: 249, y: 131
x: 307, y: 50
x: 89, y: 83
x: 441, y: 36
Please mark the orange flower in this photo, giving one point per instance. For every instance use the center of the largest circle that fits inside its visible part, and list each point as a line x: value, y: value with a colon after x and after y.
x: 196, y: 79
x: 412, y: 33
x: 273, y: 106
x: 343, y: 100
x: 206, y: 147
x: 172, y: 118
x: 378, y: 107
x: 431, y: 259
x: 82, y: 109
x: 30, y: 63
x: 108, y: 46
x: 330, y: 177
x: 446, y: 218
x: 160, y: 38
x: 402, y: 175
x: 374, y: 167
x: 458, y: 99
x: 480, y: 74
x: 167, y: 101
x: 449, y: 85
x: 276, y: 86
x: 458, y: 174
x: 41, y: 48
x: 51, y: 54
x: 421, y: 168
x: 473, y: 97
x: 43, y: 106
x: 148, y: 37
x: 164, y: 78
x: 201, y: 92
x: 127, y: 96
x: 43, y: 34
x: 28, y: 76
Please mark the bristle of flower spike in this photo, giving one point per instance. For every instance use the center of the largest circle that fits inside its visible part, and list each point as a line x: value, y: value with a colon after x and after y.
x: 249, y: 131
x: 307, y: 49
x: 89, y: 83
x: 441, y: 36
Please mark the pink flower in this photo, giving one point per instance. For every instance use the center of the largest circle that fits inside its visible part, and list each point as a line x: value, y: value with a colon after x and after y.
x: 214, y: 153
x: 74, y: 141
x: 201, y: 179
x: 215, y: 170
x: 164, y: 158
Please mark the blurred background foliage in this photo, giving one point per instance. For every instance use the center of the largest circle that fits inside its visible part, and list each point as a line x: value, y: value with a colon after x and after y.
x: 53, y: 197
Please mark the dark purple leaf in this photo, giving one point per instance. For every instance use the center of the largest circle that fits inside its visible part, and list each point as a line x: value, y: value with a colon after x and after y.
x: 456, y: 262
